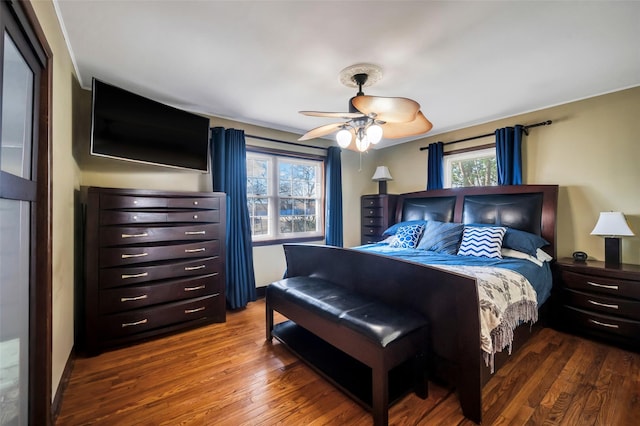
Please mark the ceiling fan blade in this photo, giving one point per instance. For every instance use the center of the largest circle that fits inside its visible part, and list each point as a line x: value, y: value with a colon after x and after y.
x: 418, y: 126
x: 344, y: 115
x: 391, y: 110
x: 318, y: 132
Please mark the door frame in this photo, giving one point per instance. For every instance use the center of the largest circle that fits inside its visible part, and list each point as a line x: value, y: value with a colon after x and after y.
x: 40, y: 290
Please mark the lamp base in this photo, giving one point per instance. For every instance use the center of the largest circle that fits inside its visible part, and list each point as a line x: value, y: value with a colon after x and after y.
x: 612, y: 251
x: 382, y: 187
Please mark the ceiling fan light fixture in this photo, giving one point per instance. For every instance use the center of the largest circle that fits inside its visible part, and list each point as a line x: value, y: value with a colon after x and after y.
x: 374, y: 133
x: 344, y: 138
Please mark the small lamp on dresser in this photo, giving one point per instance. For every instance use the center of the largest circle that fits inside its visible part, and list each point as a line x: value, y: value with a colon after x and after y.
x: 382, y: 175
x: 612, y: 226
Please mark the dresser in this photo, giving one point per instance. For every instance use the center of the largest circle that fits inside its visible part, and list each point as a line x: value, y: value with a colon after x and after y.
x: 600, y: 301
x: 153, y: 264
x: 377, y: 214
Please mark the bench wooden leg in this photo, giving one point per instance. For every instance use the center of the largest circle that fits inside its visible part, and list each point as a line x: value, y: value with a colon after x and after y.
x: 421, y: 373
x: 380, y: 397
x: 269, y: 320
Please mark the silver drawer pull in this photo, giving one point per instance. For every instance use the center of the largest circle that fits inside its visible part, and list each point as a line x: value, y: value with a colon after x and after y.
x: 135, y: 218
x: 195, y: 216
x: 194, y: 268
x: 190, y: 311
x: 604, y: 324
x: 604, y: 305
x: 610, y: 287
x: 144, y: 234
x: 143, y: 274
x: 195, y: 250
x: 127, y: 256
x: 200, y: 287
x: 195, y: 203
x: 132, y: 324
x: 131, y: 299
x: 195, y: 232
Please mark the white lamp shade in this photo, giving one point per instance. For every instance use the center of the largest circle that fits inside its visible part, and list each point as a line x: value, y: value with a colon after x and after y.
x: 374, y: 133
x: 344, y: 138
x: 382, y: 173
x: 612, y: 224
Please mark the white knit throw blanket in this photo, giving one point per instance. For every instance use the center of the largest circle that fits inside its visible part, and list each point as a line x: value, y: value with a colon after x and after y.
x: 507, y: 299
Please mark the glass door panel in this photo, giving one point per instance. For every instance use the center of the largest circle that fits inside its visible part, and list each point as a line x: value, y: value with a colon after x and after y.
x: 17, y: 112
x: 14, y: 311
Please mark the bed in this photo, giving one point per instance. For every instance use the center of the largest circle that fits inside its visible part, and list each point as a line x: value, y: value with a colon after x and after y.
x: 449, y: 296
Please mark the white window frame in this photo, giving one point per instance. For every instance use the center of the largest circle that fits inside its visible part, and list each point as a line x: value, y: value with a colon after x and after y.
x: 467, y: 155
x: 274, y: 235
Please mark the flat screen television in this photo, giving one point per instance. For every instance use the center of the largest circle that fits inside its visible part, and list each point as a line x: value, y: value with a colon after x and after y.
x: 128, y: 126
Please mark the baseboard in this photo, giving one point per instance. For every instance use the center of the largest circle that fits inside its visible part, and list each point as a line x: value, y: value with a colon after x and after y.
x: 260, y: 291
x: 56, y: 405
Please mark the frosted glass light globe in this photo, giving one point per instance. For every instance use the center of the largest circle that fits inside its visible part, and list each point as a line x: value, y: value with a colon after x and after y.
x: 374, y: 133
x: 344, y: 138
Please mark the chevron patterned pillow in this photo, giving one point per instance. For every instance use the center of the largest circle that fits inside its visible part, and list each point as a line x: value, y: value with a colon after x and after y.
x: 482, y: 241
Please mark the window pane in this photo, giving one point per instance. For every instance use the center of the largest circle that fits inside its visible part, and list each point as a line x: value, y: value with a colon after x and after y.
x: 259, y: 215
x: 257, y: 186
x: 474, y: 168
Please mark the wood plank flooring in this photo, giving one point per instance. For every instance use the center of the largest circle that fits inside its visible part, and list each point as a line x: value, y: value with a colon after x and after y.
x: 226, y: 374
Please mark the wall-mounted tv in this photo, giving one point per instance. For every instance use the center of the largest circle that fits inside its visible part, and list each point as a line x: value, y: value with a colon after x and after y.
x: 128, y: 126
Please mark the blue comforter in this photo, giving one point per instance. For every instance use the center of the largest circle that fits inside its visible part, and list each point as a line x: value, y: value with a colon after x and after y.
x: 539, y: 276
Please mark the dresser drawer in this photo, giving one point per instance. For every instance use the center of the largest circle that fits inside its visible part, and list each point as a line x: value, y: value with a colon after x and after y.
x: 137, y: 202
x: 610, y: 286
x: 117, y: 217
x: 134, y: 297
x: 600, y: 323
x: 117, y: 277
x: 378, y: 222
x: 116, y: 256
x: 373, y: 212
x: 372, y: 231
x: 607, y: 305
x: 121, y: 235
x: 140, y: 320
x: 372, y: 202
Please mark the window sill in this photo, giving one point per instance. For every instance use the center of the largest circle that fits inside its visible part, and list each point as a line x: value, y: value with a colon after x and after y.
x: 286, y: 240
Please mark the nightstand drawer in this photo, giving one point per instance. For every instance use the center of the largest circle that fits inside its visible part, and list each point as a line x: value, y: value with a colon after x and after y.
x: 373, y: 221
x: 603, y: 304
x: 600, y: 323
x: 372, y: 231
x: 599, y: 284
x: 376, y: 212
x: 372, y: 202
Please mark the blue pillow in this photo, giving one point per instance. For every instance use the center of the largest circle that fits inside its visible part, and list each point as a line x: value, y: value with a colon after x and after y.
x: 407, y: 236
x: 523, y: 241
x: 482, y: 241
x: 394, y: 228
x: 441, y: 237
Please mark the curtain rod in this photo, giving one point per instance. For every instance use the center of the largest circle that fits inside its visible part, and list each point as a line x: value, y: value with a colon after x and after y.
x: 526, y: 128
x: 285, y: 142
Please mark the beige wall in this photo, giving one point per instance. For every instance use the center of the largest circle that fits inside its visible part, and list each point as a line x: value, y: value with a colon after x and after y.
x: 65, y: 177
x: 592, y: 150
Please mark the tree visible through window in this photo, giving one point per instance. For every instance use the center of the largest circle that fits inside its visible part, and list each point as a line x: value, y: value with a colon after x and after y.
x: 472, y: 168
x: 284, y: 196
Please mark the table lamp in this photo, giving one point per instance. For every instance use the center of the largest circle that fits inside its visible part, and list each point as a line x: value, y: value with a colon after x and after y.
x: 612, y: 226
x: 382, y: 175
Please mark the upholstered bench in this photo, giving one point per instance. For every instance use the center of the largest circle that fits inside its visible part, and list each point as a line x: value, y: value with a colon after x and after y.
x: 378, y: 335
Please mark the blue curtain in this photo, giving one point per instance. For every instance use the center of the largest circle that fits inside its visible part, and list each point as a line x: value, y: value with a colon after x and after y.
x: 509, y: 155
x: 333, y: 188
x: 229, y: 174
x: 435, y: 168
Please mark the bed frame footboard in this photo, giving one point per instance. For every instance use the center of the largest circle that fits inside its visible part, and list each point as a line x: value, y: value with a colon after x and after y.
x: 449, y: 302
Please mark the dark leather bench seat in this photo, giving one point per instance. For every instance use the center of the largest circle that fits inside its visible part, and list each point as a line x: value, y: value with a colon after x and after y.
x: 375, y: 333
x: 373, y: 319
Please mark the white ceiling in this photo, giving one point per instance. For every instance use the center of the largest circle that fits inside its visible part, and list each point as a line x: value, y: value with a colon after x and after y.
x: 260, y: 62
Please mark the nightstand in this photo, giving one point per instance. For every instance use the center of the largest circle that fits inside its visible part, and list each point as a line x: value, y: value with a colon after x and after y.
x: 600, y: 301
x: 377, y: 214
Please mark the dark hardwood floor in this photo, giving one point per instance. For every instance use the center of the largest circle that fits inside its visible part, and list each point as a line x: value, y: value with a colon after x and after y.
x: 226, y: 374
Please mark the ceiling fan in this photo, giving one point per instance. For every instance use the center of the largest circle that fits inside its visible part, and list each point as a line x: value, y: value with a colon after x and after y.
x: 370, y: 118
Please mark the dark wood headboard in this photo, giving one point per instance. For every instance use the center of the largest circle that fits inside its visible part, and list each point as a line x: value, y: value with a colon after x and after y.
x: 530, y: 208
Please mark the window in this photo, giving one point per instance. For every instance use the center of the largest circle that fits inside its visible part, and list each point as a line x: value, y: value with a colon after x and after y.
x: 471, y: 168
x: 285, y: 197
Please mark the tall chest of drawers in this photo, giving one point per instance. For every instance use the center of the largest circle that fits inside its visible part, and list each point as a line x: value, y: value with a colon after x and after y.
x: 153, y: 264
x: 377, y: 214
x: 600, y: 301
